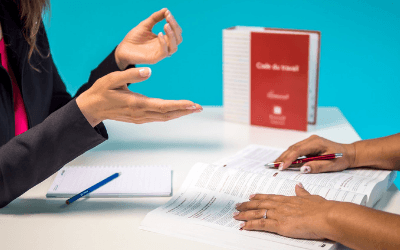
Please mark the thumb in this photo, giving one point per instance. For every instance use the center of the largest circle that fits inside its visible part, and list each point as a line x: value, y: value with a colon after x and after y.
x: 300, y: 190
x: 134, y: 75
x: 315, y: 167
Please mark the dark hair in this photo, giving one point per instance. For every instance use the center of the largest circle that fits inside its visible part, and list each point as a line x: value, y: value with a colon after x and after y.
x: 31, y: 15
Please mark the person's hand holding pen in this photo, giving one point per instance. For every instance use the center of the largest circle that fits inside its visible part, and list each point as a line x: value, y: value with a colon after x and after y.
x: 142, y: 46
x: 315, y: 145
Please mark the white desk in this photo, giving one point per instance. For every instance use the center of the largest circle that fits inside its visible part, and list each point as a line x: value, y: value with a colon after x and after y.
x: 34, y: 222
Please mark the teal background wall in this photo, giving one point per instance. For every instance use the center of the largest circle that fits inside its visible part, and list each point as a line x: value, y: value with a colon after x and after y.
x: 360, y: 51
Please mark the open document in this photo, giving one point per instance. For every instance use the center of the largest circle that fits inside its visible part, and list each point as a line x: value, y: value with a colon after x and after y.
x: 202, y: 210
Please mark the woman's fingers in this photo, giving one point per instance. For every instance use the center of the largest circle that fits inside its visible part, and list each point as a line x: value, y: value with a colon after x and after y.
x: 171, y: 39
x: 164, y: 106
x: 272, y: 197
x: 162, y: 117
x: 314, y: 167
x: 175, y: 27
x: 309, y: 146
x: 154, y: 18
x: 119, y: 79
x: 251, y: 215
x: 257, y: 204
x: 163, y: 44
x: 268, y: 225
x: 155, y: 117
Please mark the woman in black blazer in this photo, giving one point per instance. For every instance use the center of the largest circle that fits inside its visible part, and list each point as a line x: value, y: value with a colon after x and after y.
x: 61, y: 127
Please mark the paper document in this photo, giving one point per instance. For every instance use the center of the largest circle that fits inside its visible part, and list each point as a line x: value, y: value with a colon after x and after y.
x: 202, y: 209
x: 133, y: 181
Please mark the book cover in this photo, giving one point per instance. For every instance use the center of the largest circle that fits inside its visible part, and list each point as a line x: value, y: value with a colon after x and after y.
x: 279, y: 80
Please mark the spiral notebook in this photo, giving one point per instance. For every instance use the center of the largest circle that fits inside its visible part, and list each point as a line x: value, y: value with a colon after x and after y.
x: 133, y: 181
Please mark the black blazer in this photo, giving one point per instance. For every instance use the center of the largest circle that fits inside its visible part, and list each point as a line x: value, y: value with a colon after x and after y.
x: 58, y: 131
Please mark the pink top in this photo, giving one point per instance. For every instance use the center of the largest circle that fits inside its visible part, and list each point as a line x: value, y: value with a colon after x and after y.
x: 21, y: 120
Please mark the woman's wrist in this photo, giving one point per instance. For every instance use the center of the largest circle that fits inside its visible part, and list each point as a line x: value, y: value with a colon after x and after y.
x: 351, y: 154
x: 326, y: 222
x: 88, y: 110
x: 119, y: 58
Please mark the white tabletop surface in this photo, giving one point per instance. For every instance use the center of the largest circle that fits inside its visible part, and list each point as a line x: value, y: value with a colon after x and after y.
x: 34, y: 222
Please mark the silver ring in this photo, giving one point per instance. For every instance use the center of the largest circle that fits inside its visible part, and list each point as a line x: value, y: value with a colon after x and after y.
x: 265, y: 215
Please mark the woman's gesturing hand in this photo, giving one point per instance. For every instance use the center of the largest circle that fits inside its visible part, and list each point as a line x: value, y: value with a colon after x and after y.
x: 315, y: 145
x: 142, y: 46
x: 301, y: 216
x: 110, y: 98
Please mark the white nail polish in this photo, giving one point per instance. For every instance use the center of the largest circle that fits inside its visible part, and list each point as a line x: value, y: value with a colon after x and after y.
x: 280, y: 166
x: 143, y: 73
x: 305, y: 169
x: 300, y: 185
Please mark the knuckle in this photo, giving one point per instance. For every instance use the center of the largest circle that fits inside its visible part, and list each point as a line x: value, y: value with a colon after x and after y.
x: 167, y: 117
x: 259, y: 213
x: 174, y: 49
x: 112, y: 77
x: 294, y: 148
x: 161, y: 108
x: 263, y: 223
x: 279, y: 198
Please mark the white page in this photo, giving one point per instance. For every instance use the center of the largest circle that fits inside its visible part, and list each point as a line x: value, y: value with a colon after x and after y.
x: 133, y: 181
x: 208, y: 197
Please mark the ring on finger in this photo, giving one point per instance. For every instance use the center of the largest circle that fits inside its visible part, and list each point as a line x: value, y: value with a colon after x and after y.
x: 265, y: 214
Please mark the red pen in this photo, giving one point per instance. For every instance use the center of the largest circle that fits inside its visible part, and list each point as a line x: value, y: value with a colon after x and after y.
x: 307, y: 159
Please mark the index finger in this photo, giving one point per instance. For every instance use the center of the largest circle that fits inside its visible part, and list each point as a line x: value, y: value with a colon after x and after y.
x: 309, y: 146
x: 154, y: 18
x: 164, y: 106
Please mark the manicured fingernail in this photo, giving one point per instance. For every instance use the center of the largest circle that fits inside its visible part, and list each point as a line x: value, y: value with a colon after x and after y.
x: 305, y: 169
x: 300, y: 185
x: 235, y: 213
x: 281, y: 166
x: 169, y: 27
x: 167, y: 12
x: 237, y: 205
x: 197, y: 111
x: 242, y: 225
x: 145, y: 73
x: 191, y: 107
x: 251, y: 196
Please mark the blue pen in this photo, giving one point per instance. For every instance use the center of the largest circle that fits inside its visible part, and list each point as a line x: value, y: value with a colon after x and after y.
x: 92, y: 188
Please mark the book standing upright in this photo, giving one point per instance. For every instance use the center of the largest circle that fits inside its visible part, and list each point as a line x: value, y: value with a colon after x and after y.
x: 271, y: 76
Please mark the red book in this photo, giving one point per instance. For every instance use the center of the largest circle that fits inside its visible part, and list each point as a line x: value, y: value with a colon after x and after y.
x: 282, y: 77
